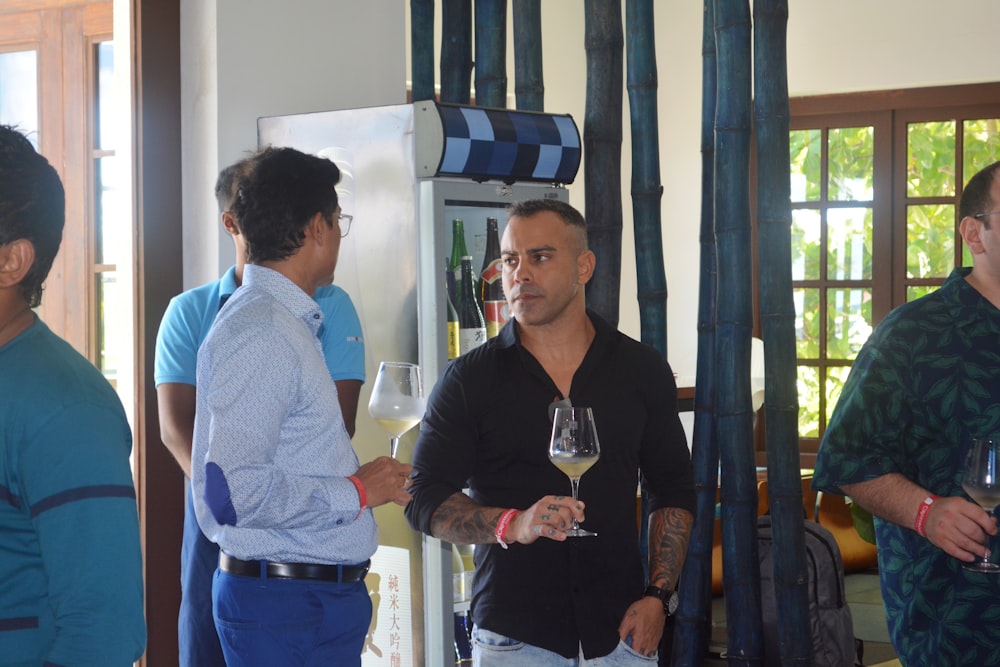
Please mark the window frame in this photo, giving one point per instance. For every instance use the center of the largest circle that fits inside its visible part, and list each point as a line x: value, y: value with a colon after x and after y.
x: 889, y: 111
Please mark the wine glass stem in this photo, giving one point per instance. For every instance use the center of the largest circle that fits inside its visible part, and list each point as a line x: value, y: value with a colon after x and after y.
x: 575, y: 482
x: 393, y: 446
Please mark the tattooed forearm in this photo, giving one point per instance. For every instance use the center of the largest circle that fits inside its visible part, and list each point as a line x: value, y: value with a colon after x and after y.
x: 669, y: 533
x: 460, y: 521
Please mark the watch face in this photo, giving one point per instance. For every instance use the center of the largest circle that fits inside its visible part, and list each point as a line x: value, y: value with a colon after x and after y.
x: 672, y: 603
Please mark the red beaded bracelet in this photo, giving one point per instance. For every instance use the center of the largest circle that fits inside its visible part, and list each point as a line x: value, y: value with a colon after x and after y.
x: 921, y: 521
x: 503, y: 524
x: 362, y: 496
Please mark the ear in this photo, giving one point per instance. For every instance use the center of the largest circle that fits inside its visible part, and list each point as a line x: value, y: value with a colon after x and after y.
x: 229, y: 222
x: 318, y: 228
x: 585, y: 264
x: 971, y: 230
x: 16, y: 259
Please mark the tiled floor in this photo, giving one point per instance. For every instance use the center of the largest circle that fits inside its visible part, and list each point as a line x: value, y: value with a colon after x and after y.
x: 867, y: 614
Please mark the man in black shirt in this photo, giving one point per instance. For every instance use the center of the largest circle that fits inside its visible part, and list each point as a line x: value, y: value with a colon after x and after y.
x: 540, y: 597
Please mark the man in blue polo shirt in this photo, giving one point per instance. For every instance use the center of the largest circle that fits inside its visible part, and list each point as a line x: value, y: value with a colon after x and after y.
x: 185, y: 324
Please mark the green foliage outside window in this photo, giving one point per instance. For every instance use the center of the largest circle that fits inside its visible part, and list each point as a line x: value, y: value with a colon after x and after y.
x: 843, y: 238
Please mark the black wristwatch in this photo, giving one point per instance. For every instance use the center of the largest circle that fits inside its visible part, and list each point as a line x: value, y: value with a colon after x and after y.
x: 668, y: 599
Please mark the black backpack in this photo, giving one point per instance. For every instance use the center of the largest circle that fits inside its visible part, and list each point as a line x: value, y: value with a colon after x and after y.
x: 829, y: 616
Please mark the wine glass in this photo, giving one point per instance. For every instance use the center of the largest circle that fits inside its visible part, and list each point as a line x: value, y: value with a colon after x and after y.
x: 979, y: 479
x: 397, y: 401
x: 573, y: 449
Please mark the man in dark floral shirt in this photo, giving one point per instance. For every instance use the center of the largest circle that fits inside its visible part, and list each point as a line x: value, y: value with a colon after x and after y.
x: 925, y: 384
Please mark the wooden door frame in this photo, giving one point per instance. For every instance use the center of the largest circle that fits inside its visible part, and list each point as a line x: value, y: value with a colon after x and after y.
x: 156, y: 160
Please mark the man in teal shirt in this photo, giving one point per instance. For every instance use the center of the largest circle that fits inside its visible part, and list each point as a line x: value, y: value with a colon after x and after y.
x: 70, y: 558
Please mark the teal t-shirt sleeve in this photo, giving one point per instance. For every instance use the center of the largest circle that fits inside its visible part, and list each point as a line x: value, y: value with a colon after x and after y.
x: 79, y: 490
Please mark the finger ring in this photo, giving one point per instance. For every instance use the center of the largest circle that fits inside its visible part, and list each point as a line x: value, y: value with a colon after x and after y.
x: 538, y: 529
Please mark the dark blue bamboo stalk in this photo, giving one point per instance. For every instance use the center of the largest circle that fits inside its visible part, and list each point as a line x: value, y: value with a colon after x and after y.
x: 640, y: 49
x: 741, y: 571
x: 529, y: 87
x: 422, y: 49
x: 646, y: 187
x: 491, y: 53
x: 602, y: 150
x: 693, y: 621
x: 456, y: 50
x: 777, y: 313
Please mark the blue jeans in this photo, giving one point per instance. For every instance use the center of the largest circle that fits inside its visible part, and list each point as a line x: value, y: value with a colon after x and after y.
x: 490, y: 649
x: 197, y: 640
x: 266, y: 622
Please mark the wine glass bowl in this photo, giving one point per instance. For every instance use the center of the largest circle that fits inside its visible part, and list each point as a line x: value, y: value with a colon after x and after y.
x: 980, y: 481
x: 397, y: 403
x: 574, y: 448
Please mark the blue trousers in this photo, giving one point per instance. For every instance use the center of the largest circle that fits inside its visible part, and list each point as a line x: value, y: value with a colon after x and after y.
x: 264, y: 622
x: 197, y: 641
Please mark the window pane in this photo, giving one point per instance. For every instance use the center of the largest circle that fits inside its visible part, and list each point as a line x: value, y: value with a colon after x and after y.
x: 836, y: 376
x: 110, y: 339
x: 806, y: 231
x: 112, y: 222
x: 851, y: 163
x: 849, y: 244
x: 19, y: 92
x: 979, y: 145
x: 808, y: 387
x: 849, y: 316
x: 805, y: 153
x: 930, y: 159
x: 914, y: 292
x: 105, y: 96
x: 930, y: 240
x: 806, y: 323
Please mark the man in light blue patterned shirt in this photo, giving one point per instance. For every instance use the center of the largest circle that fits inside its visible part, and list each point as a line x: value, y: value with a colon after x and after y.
x: 276, y: 482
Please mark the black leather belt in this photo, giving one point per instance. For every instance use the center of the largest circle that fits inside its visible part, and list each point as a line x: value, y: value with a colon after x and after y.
x: 345, y: 574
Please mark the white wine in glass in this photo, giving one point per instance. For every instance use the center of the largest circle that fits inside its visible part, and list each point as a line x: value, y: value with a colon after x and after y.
x: 397, y: 403
x: 979, y: 479
x: 574, y: 448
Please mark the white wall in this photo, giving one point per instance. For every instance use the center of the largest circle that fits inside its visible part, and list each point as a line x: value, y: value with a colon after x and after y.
x: 243, y: 59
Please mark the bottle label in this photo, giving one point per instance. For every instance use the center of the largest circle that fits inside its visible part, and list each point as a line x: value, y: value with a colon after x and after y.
x: 496, y: 314
x: 492, y: 271
x: 453, y: 344
x: 470, y: 339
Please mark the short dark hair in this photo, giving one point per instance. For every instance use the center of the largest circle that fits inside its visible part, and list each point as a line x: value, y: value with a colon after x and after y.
x: 976, y: 194
x: 279, y: 196
x: 568, y: 214
x: 32, y: 207
x: 228, y: 182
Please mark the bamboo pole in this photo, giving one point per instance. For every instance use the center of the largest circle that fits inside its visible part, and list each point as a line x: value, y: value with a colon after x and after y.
x: 491, y: 53
x: 602, y: 140
x: 693, y: 620
x: 646, y: 194
x: 777, y: 314
x: 456, y: 50
x: 422, y: 49
x: 646, y: 187
x: 741, y: 571
x: 529, y: 87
